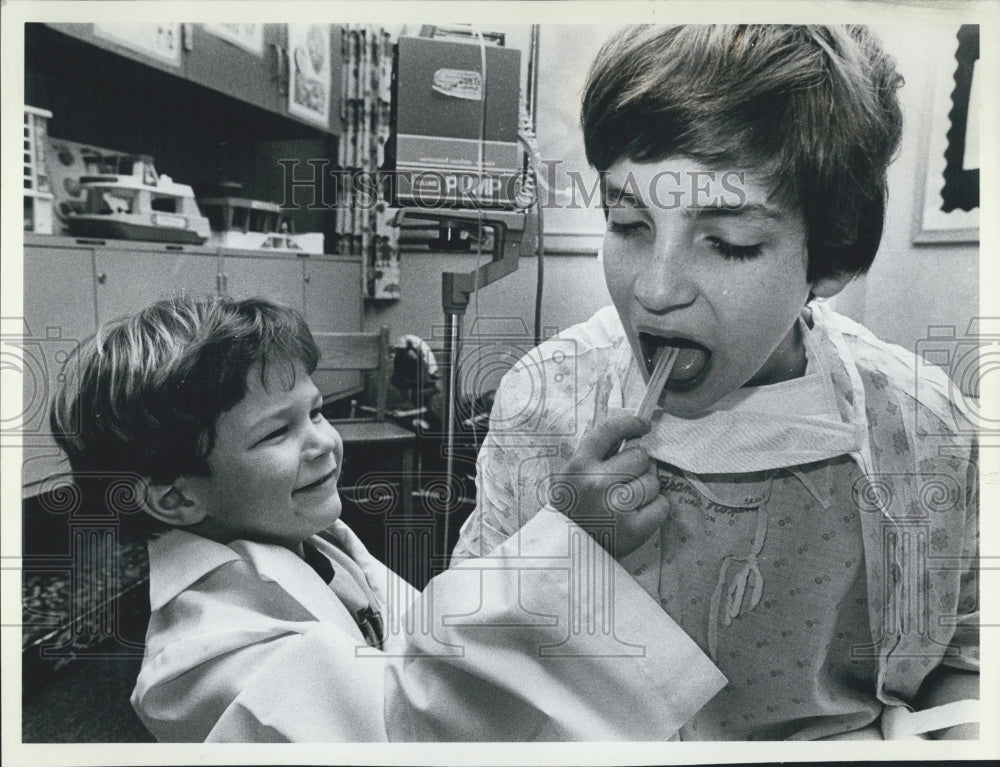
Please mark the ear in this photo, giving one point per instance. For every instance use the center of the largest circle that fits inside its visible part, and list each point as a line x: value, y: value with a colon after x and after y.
x: 828, y: 287
x: 174, y: 504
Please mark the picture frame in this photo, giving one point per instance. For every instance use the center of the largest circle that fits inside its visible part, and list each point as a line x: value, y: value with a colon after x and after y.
x: 947, y: 191
x: 309, y: 72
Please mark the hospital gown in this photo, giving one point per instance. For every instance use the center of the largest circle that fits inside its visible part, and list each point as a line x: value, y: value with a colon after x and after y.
x: 824, y: 559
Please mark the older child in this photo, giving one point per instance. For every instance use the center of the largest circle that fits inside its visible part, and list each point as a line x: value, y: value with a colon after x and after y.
x: 271, y: 622
x: 821, y: 540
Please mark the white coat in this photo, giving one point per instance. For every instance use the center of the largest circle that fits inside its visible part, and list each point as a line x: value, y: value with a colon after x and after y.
x: 547, y: 639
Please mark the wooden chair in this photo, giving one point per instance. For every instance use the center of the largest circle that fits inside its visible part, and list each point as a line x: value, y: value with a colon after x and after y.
x: 370, y: 352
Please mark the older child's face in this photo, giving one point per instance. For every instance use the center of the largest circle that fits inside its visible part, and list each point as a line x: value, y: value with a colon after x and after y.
x: 275, y: 464
x: 724, y: 285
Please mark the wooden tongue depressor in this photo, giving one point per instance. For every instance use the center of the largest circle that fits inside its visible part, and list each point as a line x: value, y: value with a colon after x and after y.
x: 665, y: 358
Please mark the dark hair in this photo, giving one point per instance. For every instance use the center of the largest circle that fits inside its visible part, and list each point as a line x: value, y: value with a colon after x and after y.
x: 143, y: 395
x: 814, y: 108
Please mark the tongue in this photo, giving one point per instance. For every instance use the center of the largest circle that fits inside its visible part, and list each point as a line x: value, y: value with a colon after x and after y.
x: 689, y: 363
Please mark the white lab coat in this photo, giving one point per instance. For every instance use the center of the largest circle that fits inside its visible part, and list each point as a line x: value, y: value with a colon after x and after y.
x: 547, y: 638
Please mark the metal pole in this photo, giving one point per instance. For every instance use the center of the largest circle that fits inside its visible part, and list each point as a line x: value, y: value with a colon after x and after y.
x: 453, y: 342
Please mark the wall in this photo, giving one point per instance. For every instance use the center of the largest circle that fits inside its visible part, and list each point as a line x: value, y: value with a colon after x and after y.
x: 504, y: 311
x: 911, y: 287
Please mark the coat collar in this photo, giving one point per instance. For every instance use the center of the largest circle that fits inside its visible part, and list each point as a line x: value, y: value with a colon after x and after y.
x: 178, y: 559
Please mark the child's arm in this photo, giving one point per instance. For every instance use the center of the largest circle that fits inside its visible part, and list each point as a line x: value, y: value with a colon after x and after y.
x: 546, y: 638
x: 532, y: 432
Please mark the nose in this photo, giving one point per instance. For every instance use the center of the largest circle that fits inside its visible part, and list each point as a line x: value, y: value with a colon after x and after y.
x: 667, y: 281
x: 323, y: 439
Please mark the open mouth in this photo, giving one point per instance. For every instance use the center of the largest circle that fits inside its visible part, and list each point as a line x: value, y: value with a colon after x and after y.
x: 318, y: 483
x: 692, y: 359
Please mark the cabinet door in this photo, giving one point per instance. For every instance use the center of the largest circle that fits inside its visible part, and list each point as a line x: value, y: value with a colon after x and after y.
x: 278, y: 278
x: 59, y: 313
x: 334, y: 305
x: 155, y: 44
x: 129, y: 278
x: 247, y: 64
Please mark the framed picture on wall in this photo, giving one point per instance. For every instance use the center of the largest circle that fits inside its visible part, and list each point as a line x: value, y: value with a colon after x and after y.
x: 309, y: 72
x: 947, y: 207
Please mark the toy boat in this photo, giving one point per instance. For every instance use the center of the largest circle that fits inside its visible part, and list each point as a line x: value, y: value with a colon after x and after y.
x: 243, y: 223
x: 126, y: 199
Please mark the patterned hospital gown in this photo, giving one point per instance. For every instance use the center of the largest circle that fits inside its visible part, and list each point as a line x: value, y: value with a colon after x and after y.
x: 815, y: 588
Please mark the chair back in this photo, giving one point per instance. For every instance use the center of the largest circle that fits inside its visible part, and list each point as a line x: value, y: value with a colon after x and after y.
x: 359, y: 351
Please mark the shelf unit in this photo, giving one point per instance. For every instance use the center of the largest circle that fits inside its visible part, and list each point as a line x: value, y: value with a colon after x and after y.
x: 208, y: 110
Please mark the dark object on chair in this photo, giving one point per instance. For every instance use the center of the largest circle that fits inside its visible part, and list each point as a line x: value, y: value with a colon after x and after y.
x: 370, y: 352
x: 415, y: 374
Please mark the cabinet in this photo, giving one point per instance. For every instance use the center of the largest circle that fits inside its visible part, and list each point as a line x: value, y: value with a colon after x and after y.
x: 255, y: 74
x: 59, y: 313
x: 129, y: 276
x: 71, y: 285
x: 245, y: 274
x: 257, y: 78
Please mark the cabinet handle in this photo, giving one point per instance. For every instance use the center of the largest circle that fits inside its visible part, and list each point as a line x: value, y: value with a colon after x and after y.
x: 102, y: 278
x: 280, y: 68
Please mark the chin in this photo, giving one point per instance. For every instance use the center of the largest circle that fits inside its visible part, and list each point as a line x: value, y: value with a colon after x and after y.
x: 332, y: 512
x: 318, y: 519
x: 685, y: 410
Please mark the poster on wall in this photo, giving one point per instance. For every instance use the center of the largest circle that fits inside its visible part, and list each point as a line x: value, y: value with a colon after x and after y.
x: 160, y: 41
x: 949, y: 208
x: 309, y: 72
x: 250, y: 37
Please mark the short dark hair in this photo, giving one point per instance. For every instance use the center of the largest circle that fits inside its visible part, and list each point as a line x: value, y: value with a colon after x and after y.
x: 145, y: 393
x: 814, y: 108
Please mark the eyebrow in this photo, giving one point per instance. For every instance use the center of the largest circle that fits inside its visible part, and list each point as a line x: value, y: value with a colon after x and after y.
x: 271, y: 418
x: 283, y: 413
x: 751, y: 210
x: 619, y: 195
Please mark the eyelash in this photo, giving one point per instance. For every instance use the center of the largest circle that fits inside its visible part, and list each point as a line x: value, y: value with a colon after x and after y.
x: 732, y: 252
x: 727, y: 250
x: 279, y: 432
x: 626, y: 230
x: 314, y: 414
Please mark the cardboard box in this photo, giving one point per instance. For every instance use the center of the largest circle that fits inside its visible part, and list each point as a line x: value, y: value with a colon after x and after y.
x: 444, y: 111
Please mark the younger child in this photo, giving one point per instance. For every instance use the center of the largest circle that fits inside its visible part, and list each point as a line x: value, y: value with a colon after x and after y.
x: 271, y: 622
x: 821, y: 539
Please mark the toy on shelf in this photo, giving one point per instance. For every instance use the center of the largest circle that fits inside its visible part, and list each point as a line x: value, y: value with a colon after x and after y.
x: 125, y: 198
x: 37, y: 190
x: 243, y: 223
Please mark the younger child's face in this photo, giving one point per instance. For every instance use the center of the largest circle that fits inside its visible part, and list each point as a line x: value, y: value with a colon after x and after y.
x: 275, y: 464
x: 726, y: 286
